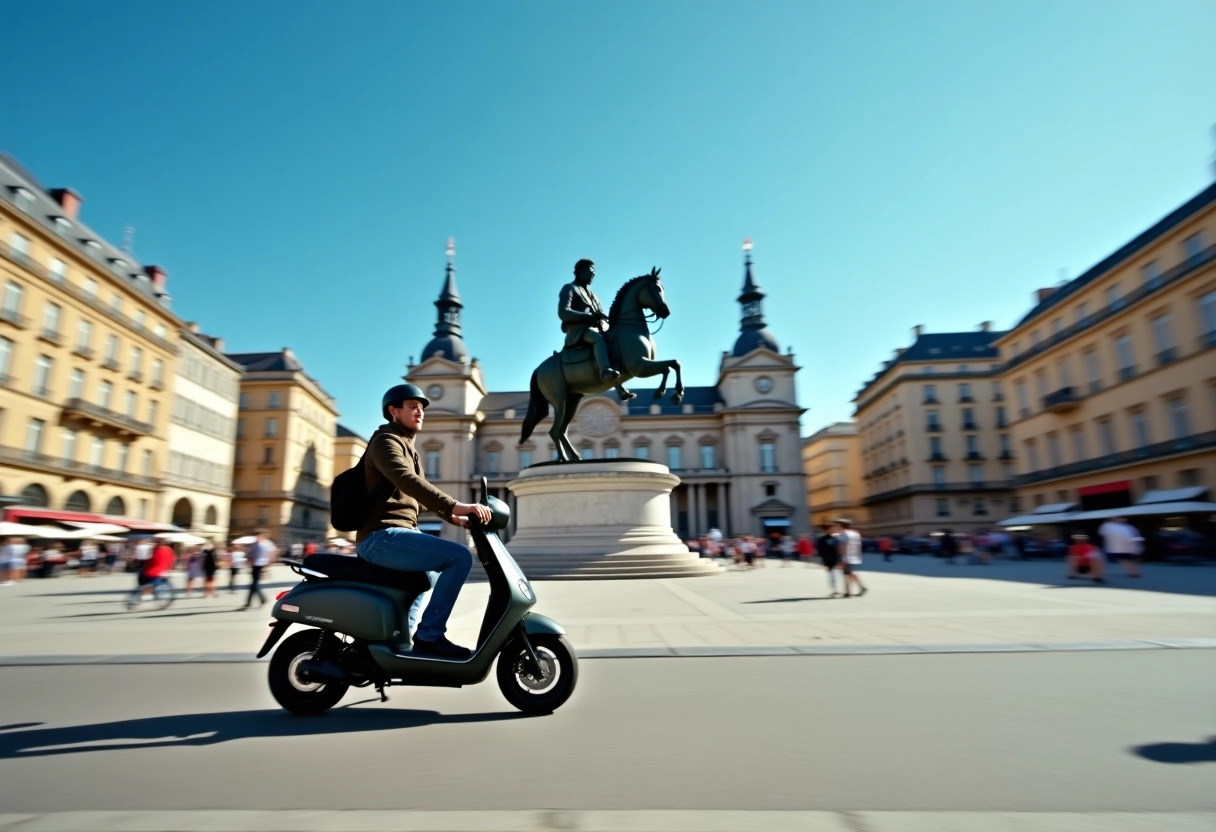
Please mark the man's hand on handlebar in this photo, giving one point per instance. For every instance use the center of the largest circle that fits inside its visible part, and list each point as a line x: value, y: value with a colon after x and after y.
x: 463, y: 511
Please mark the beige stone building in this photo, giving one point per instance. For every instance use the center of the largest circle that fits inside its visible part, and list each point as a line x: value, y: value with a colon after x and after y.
x: 88, y: 346
x: 735, y: 445
x: 831, y: 458
x: 348, y: 449
x: 202, y: 436
x: 284, y: 461
x: 1112, y: 375
x: 934, y: 429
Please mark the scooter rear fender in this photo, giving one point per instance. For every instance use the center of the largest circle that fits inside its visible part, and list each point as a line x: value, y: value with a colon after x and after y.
x: 363, y: 611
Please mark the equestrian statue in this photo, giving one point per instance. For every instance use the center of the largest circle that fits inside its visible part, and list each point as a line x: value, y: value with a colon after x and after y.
x: 594, y: 360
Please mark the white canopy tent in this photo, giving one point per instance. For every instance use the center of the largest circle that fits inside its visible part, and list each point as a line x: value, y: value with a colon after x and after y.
x: 1172, y: 502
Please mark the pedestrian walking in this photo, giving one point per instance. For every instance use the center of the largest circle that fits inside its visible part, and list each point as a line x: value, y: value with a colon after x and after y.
x: 949, y: 546
x: 828, y: 549
x: 236, y: 561
x: 806, y: 549
x: 211, y: 565
x: 88, y: 558
x: 886, y: 546
x: 259, y: 558
x: 849, y: 542
x: 789, y: 550
x: 1124, y: 543
x: 13, y: 560
x: 194, y: 569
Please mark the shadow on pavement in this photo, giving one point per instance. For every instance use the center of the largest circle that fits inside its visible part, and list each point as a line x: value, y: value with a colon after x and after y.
x: 1179, y: 752
x: 1175, y: 578
x: 225, y: 726
x: 788, y: 600
x: 241, y: 589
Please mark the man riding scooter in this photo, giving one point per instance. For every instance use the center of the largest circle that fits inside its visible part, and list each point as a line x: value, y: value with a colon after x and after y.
x: 391, y: 538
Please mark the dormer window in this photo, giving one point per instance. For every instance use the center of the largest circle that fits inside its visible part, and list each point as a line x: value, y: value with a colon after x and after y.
x: 92, y: 246
x: 24, y: 198
x: 62, y: 225
x: 119, y: 264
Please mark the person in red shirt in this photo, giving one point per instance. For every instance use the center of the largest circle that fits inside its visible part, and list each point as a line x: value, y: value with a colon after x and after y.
x: 805, y: 548
x: 162, y: 560
x: 1085, y: 558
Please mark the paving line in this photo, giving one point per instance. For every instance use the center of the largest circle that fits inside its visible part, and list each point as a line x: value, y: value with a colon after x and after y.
x: 552, y: 820
x: 689, y: 651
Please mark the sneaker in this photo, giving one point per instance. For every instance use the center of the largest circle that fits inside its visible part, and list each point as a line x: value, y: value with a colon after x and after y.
x: 441, y: 648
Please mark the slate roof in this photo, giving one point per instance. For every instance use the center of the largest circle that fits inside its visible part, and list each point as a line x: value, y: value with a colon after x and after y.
x: 702, y: 399
x: 267, y: 362
x: 961, y: 347
x: 343, y: 430
x: 1159, y: 229
x: 44, y: 209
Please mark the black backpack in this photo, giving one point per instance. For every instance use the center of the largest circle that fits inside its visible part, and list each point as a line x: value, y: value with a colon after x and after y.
x: 350, y: 504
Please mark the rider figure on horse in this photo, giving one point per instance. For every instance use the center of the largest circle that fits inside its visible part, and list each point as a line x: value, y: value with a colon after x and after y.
x: 580, y: 310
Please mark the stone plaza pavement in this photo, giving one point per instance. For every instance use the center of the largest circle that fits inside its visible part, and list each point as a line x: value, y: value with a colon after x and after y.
x: 915, y: 604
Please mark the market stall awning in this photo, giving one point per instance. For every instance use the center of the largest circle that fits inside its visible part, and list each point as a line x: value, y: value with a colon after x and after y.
x: 24, y: 513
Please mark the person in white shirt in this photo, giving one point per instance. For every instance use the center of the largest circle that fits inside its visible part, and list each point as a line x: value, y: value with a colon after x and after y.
x: 849, y: 543
x: 1123, y: 542
x: 12, y: 560
x: 260, y: 553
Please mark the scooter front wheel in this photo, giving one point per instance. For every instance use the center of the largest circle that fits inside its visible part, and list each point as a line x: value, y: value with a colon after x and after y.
x: 547, y: 692
x: 293, y: 689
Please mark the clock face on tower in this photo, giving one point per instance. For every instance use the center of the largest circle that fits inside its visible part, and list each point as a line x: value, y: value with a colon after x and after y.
x: 764, y: 384
x: 434, y: 392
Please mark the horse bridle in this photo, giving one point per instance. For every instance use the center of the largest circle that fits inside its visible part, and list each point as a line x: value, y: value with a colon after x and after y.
x: 646, y: 320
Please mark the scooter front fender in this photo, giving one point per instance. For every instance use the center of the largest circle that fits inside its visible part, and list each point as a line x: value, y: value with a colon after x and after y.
x: 534, y: 624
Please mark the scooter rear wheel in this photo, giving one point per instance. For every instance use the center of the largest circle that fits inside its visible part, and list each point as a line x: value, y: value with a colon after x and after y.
x: 559, y: 673
x: 294, y: 691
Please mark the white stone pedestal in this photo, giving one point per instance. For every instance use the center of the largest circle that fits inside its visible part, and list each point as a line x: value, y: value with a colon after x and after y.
x: 600, y: 519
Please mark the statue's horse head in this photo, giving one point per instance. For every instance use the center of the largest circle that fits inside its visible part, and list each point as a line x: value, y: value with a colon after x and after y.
x: 638, y: 295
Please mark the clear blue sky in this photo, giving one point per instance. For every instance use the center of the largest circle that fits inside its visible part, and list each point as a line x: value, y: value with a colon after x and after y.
x: 298, y: 166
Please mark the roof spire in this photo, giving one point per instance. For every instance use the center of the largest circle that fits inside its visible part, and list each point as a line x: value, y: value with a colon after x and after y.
x: 447, y: 341
x: 753, y: 333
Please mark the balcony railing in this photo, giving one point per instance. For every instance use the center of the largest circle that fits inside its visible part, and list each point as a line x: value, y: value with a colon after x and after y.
x: 967, y: 398
x: 51, y: 337
x: 110, y: 363
x: 937, y: 457
x: 1194, y: 442
x: 136, y: 375
x: 12, y: 316
x: 83, y: 351
x: 33, y: 460
x: 974, y: 455
x: 1065, y: 398
x: 1127, y: 373
x: 985, y: 487
x: 970, y: 426
x: 1006, y: 454
x: 1167, y: 356
x: 81, y: 409
x: 931, y: 400
x: 933, y: 427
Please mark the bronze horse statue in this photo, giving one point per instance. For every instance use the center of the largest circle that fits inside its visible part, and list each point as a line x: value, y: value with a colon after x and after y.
x: 565, y: 377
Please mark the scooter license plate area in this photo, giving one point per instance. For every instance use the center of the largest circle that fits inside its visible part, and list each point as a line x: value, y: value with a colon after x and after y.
x: 363, y: 613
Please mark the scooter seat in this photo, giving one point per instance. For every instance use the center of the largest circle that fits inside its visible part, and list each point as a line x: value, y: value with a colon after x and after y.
x: 346, y: 568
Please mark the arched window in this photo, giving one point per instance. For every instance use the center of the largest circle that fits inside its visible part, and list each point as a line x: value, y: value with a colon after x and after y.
x: 183, y: 514
x: 35, y: 496
x: 78, y: 501
x: 212, y: 516
x: 116, y: 507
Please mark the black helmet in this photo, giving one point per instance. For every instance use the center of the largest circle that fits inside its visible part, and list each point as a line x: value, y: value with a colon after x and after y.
x: 398, y: 393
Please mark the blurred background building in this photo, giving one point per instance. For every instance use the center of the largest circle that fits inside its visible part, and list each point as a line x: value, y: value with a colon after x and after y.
x: 284, y: 450
x: 202, y: 435
x: 831, y: 458
x: 87, y: 347
x: 1113, y: 374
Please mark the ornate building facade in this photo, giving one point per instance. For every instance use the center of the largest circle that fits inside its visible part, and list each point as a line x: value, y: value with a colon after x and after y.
x: 284, y: 450
x: 735, y: 444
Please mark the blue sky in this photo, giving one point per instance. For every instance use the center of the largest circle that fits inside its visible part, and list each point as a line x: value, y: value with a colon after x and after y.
x: 298, y: 166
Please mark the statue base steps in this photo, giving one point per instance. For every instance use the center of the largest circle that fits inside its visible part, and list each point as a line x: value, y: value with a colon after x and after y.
x: 600, y: 519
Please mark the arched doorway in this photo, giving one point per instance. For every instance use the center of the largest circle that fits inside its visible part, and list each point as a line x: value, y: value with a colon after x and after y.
x: 183, y: 514
x: 35, y: 496
x: 212, y: 516
x: 116, y: 507
x: 78, y: 501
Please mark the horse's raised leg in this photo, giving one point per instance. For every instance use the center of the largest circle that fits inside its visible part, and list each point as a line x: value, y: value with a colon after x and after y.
x: 679, y: 394
x: 662, y: 388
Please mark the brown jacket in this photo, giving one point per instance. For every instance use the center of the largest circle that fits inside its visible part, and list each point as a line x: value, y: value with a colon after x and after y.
x: 391, y: 456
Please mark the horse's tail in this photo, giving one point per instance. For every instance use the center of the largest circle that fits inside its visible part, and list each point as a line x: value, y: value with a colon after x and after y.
x: 538, y: 408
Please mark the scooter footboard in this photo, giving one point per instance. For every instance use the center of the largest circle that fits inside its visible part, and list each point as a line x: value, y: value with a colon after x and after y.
x: 360, y: 611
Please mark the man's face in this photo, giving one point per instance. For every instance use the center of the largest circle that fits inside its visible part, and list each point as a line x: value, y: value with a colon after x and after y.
x: 409, y: 415
x: 586, y: 274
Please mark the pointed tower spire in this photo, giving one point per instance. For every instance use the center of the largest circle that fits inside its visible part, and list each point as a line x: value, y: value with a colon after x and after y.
x: 753, y: 333
x: 447, y: 341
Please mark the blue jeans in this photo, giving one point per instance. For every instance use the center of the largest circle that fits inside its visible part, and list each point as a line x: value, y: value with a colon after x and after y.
x: 409, y: 550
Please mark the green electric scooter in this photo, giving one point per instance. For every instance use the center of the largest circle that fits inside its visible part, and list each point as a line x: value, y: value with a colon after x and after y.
x: 358, y: 635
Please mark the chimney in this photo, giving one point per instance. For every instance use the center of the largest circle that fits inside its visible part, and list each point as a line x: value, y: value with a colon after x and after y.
x: 986, y: 326
x: 68, y: 200
x: 158, y: 276
x: 192, y: 326
x: 218, y: 343
x: 917, y: 330
x: 1043, y: 294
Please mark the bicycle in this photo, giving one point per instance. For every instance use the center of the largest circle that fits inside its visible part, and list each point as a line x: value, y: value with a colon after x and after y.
x: 163, y: 594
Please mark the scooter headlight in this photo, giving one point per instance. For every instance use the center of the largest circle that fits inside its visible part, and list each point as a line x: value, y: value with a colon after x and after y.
x: 525, y: 588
